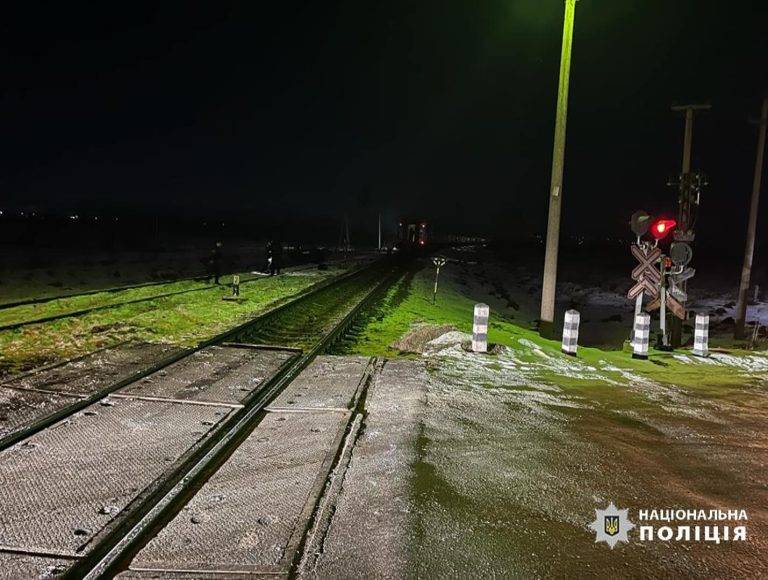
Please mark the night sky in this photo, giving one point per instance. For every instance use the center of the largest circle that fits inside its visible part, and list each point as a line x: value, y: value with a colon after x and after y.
x: 441, y: 108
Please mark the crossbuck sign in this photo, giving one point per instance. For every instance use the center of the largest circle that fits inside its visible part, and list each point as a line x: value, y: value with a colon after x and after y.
x: 646, y: 276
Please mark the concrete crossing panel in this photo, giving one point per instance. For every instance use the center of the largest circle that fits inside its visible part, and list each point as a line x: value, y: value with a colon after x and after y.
x: 330, y: 382
x: 26, y: 567
x: 215, y: 374
x: 250, y: 515
x: 368, y: 535
x: 61, y: 486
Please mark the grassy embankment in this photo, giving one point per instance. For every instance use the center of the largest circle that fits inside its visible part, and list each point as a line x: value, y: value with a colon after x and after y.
x: 31, y: 312
x: 410, y: 303
x: 183, y: 320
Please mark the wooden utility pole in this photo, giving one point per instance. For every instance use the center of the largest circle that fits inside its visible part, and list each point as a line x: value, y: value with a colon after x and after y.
x: 546, y: 325
x: 685, y: 232
x: 749, y: 250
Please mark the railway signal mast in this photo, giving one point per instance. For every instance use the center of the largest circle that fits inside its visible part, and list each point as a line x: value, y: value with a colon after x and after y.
x: 689, y: 185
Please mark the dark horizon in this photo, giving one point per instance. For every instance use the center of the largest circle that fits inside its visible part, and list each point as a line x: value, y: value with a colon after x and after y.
x: 307, y: 111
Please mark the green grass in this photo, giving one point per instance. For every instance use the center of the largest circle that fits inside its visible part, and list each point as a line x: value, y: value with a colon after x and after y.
x: 31, y: 312
x: 183, y: 320
x: 410, y: 303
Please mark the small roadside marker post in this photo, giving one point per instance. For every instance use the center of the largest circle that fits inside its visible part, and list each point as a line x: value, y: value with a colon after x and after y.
x: 571, y: 332
x: 439, y: 263
x: 480, y: 328
x: 701, y: 336
x: 642, y: 330
x: 236, y: 285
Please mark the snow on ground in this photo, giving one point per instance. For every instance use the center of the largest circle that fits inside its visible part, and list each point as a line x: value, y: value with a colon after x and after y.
x: 721, y: 306
x: 528, y: 365
x: 511, y: 465
x: 753, y: 363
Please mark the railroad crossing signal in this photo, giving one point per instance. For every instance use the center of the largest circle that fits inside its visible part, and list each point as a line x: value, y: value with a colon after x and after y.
x: 681, y: 253
x: 646, y: 276
x: 661, y: 228
x: 665, y: 289
x: 640, y: 222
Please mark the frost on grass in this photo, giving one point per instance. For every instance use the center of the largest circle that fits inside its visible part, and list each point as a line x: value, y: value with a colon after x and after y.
x: 757, y: 362
x: 532, y: 373
x: 526, y: 364
x: 482, y: 439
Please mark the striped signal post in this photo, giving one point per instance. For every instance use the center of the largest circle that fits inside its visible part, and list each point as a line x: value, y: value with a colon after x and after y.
x: 701, y: 336
x: 642, y: 332
x: 480, y: 328
x: 571, y: 332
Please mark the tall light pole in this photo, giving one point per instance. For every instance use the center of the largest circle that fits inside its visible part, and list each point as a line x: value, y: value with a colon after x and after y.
x: 546, y: 327
x: 749, y: 250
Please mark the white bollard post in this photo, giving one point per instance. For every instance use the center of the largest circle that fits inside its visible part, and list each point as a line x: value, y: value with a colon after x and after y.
x: 480, y: 328
x: 701, y: 336
x: 642, y: 332
x: 571, y: 332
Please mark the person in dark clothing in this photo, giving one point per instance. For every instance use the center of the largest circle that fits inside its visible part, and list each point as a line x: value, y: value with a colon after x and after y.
x: 215, y: 263
x: 274, y: 256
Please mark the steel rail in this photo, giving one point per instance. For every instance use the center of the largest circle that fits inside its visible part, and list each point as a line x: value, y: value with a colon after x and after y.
x: 154, y: 508
x: 115, y: 289
x: 111, y: 290
x: 227, y: 335
x: 84, y: 311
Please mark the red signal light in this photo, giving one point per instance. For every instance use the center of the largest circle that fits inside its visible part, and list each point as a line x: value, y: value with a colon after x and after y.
x: 660, y: 228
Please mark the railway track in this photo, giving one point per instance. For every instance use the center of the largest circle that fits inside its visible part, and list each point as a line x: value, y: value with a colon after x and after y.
x: 305, y: 323
x: 116, y: 289
x: 112, y: 290
x: 97, y: 308
x: 231, y: 335
x: 312, y: 322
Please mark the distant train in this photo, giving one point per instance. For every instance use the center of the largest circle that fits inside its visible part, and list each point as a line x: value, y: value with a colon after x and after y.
x: 411, y: 234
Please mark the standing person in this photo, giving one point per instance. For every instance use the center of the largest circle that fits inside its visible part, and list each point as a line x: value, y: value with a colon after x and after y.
x: 274, y: 256
x: 215, y: 263
x: 277, y: 257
